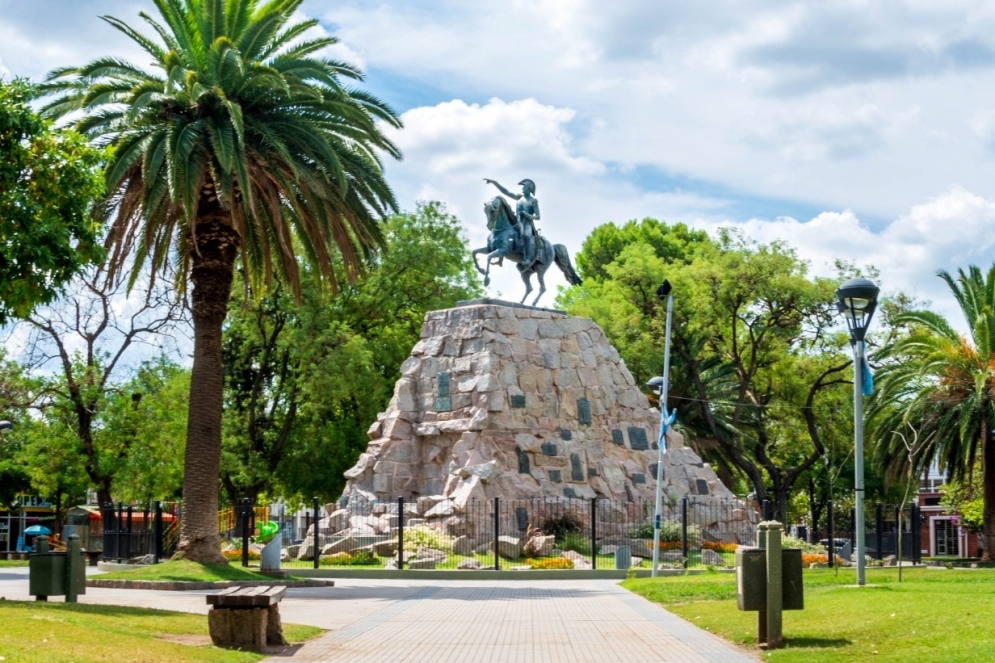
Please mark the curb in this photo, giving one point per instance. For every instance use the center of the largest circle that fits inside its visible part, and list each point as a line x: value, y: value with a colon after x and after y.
x: 486, y: 574
x: 186, y: 585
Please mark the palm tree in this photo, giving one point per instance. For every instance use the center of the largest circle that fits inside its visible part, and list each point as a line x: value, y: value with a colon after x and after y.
x: 241, y: 143
x: 941, y: 385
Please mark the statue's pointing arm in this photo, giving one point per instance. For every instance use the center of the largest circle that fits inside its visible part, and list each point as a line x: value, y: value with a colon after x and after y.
x: 500, y: 188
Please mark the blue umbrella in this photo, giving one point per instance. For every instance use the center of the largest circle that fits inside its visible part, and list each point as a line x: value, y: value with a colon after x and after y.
x: 35, y: 530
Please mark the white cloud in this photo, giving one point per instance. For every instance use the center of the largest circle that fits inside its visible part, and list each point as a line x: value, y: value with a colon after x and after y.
x: 838, y: 105
x: 948, y: 232
x: 449, y: 149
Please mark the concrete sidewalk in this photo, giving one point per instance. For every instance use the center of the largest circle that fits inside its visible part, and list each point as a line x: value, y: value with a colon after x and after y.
x: 473, y: 620
x: 507, y: 621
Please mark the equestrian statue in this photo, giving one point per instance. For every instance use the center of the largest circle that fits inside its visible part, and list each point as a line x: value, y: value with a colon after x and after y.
x: 514, y: 236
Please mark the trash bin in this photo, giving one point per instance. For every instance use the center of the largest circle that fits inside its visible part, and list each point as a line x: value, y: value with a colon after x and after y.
x: 623, y: 558
x: 47, y: 574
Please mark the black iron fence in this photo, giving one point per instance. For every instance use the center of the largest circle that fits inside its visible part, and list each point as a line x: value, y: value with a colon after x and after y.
x: 144, y: 534
x: 542, y: 533
x: 891, y: 532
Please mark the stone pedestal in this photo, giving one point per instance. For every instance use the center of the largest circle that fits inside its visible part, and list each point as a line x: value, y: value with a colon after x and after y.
x: 519, y: 403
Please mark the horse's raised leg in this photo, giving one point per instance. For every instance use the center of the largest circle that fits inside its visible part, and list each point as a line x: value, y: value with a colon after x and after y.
x: 490, y: 257
x: 474, y: 254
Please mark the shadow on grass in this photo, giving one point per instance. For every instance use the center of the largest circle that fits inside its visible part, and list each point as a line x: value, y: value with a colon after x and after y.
x: 817, y: 642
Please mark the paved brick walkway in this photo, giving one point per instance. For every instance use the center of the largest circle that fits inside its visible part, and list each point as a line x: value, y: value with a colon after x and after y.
x: 511, y: 621
x: 475, y: 621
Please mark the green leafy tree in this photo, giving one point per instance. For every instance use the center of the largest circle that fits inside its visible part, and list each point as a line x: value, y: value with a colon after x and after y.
x: 242, y: 144
x: 17, y: 392
x: 304, y: 381
x: 942, y: 385
x: 754, y: 360
x: 145, y: 426
x: 84, y: 342
x: 48, y: 179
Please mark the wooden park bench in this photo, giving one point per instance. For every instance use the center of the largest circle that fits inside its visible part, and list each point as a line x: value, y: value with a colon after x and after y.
x: 246, y: 617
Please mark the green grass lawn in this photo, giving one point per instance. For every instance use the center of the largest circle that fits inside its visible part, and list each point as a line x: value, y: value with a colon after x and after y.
x: 187, y: 570
x: 79, y: 633
x: 933, y: 615
x: 12, y: 563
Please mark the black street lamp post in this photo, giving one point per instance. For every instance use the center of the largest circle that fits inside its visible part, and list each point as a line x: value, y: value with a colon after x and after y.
x: 857, y: 300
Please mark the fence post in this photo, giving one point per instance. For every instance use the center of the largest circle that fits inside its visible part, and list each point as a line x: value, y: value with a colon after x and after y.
x: 878, y: 526
x: 245, y: 531
x: 400, y: 533
x: 120, y: 521
x: 684, y: 530
x: 594, y: 533
x: 317, y: 541
x: 916, y: 528
x: 831, y: 552
x: 158, y: 532
x: 497, y: 528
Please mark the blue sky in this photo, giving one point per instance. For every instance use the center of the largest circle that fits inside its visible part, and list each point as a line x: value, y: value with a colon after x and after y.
x: 857, y: 130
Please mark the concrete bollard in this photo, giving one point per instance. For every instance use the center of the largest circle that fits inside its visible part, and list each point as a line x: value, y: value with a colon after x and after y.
x: 769, y: 621
x: 75, y: 568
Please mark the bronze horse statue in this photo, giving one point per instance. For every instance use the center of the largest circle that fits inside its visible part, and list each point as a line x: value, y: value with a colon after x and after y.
x: 505, y: 241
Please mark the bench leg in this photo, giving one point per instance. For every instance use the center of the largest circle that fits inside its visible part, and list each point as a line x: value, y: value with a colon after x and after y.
x: 242, y: 629
x: 274, y: 627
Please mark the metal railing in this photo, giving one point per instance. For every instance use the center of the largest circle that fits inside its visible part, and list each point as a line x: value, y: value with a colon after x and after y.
x: 542, y: 533
x: 139, y: 534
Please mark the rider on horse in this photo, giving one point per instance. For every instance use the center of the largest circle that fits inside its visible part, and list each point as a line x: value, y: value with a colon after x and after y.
x: 527, y: 211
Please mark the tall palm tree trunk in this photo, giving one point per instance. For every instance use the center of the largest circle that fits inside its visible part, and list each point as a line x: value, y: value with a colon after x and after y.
x: 988, y: 472
x: 212, y: 268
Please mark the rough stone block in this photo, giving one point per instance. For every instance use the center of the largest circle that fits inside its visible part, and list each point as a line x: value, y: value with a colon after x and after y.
x: 711, y: 558
x: 424, y: 564
x: 509, y: 547
x: 464, y: 545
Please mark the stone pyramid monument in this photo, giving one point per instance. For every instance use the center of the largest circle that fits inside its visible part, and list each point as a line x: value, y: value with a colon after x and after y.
x: 502, y: 400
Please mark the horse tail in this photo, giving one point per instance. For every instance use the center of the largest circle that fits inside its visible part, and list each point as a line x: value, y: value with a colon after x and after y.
x: 563, y: 262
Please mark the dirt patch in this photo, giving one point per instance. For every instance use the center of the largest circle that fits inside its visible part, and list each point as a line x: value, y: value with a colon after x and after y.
x: 191, y: 640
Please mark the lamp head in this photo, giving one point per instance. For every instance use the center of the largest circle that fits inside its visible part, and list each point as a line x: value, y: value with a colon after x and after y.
x: 856, y: 300
x: 664, y: 290
x: 655, y: 383
x: 6, y: 425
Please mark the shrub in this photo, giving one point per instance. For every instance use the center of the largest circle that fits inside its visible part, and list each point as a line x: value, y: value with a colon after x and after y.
x: 576, y: 542
x: 358, y: 558
x: 423, y: 536
x: 815, y: 558
x: 236, y: 555
x: 670, y: 530
x: 806, y: 547
x: 550, y: 563
x: 560, y: 525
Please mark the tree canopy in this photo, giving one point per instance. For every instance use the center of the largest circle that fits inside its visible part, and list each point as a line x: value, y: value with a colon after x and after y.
x: 937, y: 388
x: 49, y: 179
x: 241, y: 143
x: 304, y: 381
